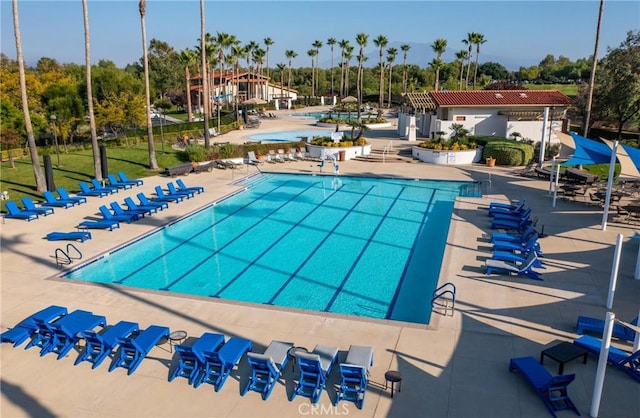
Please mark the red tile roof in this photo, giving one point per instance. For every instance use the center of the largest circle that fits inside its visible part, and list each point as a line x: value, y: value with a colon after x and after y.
x: 493, y: 98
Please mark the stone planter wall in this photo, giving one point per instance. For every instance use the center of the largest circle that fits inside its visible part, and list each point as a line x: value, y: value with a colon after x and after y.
x: 447, y: 157
x: 316, y: 151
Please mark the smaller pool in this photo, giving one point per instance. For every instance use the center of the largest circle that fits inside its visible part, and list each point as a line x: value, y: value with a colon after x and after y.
x: 335, y: 115
x: 287, y: 136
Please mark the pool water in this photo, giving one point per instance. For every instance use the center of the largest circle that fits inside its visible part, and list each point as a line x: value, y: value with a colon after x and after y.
x: 350, y: 245
x: 288, y: 136
x: 334, y: 115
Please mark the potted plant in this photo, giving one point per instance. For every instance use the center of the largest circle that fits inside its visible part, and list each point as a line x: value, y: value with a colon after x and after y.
x: 491, y: 162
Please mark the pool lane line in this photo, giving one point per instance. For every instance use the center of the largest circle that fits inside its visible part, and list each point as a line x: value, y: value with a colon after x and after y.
x: 394, y: 300
x: 362, y: 251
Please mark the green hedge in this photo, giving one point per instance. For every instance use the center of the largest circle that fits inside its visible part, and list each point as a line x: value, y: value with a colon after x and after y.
x: 505, y: 151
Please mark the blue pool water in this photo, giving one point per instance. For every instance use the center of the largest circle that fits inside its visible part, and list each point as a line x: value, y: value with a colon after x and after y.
x: 335, y: 115
x: 288, y: 136
x: 349, y: 245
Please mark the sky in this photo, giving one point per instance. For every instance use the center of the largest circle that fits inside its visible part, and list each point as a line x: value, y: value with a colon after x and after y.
x: 517, y: 33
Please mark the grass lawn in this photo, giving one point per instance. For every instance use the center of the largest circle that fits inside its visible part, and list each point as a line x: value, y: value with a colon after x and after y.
x: 570, y: 90
x: 77, y: 166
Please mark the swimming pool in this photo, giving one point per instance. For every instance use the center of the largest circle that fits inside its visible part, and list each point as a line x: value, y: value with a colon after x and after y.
x: 334, y: 115
x: 350, y: 245
x: 288, y: 136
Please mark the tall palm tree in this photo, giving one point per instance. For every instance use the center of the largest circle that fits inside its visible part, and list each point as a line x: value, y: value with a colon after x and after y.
x: 405, y: 49
x: 361, y: 39
x: 436, y: 64
x: 268, y: 42
x: 461, y: 55
x: 258, y: 58
x: 477, y: 40
x: 41, y: 184
x: 237, y: 52
x: 153, y: 163
x: 205, y: 76
x: 469, y: 43
x: 290, y: 54
x: 312, y: 53
x: 331, y: 42
x: 592, y: 78
x: 249, y: 48
x: 343, y: 44
x: 438, y: 46
x: 189, y: 59
x: 317, y: 45
x: 391, y: 57
x: 347, y: 56
x: 281, y: 68
x: 381, y: 42
x: 97, y: 164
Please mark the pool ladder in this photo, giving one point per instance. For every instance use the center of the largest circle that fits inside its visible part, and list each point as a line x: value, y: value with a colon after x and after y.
x: 443, y: 296
x: 64, y: 257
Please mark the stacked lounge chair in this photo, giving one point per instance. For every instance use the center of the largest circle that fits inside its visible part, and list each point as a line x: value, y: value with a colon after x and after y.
x: 65, y: 332
x: 191, y: 358
x: 134, y: 350
x: 28, y: 326
x: 99, y: 345
x: 219, y: 363
x: 314, y: 370
x: 267, y: 368
x: 354, y: 375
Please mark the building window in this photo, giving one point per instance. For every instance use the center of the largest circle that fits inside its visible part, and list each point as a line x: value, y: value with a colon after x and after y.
x: 461, y: 118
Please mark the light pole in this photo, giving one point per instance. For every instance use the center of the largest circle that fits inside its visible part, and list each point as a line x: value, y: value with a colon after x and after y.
x: 55, y: 137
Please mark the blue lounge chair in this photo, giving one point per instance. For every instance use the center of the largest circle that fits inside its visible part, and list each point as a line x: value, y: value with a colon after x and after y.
x: 133, y: 206
x: 98, y: 186
x: 596, y: 326
x: 124, y: 179
x: 69, y: 236
x: 66, y: 331
x: 513, y: 205
x: 134, y: 350
x: 28, y: 326
x: 162, y: 197
x: 173, y: 190
x: 531, y: 244
x: 517, y: 257
x: 103, y: 224
x: 31, y: 207
x: 64, y: 195
x: 520, y: 268
x: 314, y: 370
x: 506, y: 208
x: 516, y: 237
x: 191, y: 359
x: 551, y: 389
x: 182, y: 186
x: 512, y: 224
x: 15, y: 212
x: 107, y: 215
x: 120, y: 211
x: 100, y: 345
x: 85, y: 190
x: 218, y: 364
x: 621, y: 360
x: 515, y: 216
x: 267, y: 368
x: 113, y: 181
x: 145, y: 201
x: 354, y: 374
x: 50, y: 200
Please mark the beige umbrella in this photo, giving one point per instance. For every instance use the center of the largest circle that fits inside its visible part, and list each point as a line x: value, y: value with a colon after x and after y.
x: 254, y: 101
x: 349, y: 99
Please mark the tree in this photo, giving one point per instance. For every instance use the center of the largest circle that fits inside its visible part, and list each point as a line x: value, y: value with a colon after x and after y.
x: 331, y: 42
x: 343, y: 44
x: 290, y: 54
x: 459, y: 131
x: 462, y: 56
x: 41, y: 185
x: 189, y: 59
x: 437, y: 64
x: 361, y: 39
x: 281, y: 68
x: 391, y: 57
x: 312, y: 53
x: 405, y: 50
x: 494, y: 70
x: 347, y: 57
x: 153, y: 163
x: 381, y: 42
x: 478, y: 40
x: 469, y: 43
x: 268, y: 42
x: 97, y: 164
x: 438, y: 46
x: 617, y: 91
x: 317, y: 45
x: 205, y: 76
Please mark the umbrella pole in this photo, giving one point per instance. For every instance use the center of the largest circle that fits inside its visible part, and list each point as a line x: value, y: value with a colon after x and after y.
x: 607, y: 200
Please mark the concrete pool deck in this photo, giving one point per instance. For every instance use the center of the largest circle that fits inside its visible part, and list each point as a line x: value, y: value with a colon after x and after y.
x: 457, y: 367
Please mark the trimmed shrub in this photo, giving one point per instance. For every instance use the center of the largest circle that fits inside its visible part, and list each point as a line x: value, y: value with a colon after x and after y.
x: 505, y: 151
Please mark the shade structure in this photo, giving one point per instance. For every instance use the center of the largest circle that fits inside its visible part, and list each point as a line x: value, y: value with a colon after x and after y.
x: 254, y: 101
x: 629, y: 159
x: 349, y: 99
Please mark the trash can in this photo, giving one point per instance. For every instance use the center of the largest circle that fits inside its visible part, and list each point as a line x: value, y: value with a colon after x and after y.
x: 341, y: 155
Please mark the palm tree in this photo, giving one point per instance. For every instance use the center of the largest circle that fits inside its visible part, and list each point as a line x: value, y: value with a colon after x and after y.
x: 477, y: 40
x: 391, y: 57
x: 290, y: 54
x: 462, y: 55
x: 97, y: 165
x: 249, y: 48
x: 268, y: 42
x: 312, y: 53
x: 405, y: 49
x: 258, y: 58
x: 281, y: 68
x: 331, y: 42
x: 190, y: 60
x: 592, y: 78
x: 237, y: 52
x: 317, y: 45
x: 153, y: 163
x: 41, y: 184
x: 381, y: 42
x: 343, y: 44
x: 469, y: 43
x: 205, y: 76
x: 436, y: 64
x: 347, y: 56
x: 361, y: 39
x: 438, y: 46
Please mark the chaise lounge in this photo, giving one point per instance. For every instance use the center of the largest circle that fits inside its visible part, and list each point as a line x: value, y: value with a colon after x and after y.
x: 354, y: 375
x: 621, y: 360
x: 520, y: 268
x: 267, y: 368
x: 69, y: 236
x: 314, y: 370
x: 134, y: 350
x: 100, y: 345
x: 15, y: 212
x: 191, y: 359
x: 219, y: 363
x: 28, y: 326
x: 596, y: 326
